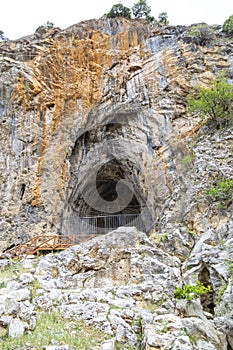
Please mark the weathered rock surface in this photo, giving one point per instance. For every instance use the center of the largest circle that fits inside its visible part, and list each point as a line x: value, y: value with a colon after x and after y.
x: 123, y: 284
x: 80, y: 110
x: 91, y: 105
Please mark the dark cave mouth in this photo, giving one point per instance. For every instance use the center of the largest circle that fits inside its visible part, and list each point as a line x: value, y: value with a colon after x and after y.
x: 110, y: 199
x: 107, y: 187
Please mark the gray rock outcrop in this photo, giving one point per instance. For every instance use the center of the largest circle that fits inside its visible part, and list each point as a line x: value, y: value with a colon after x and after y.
x: 123, y: 284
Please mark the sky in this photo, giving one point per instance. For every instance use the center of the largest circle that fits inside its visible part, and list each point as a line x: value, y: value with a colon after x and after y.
x: 19, y: 18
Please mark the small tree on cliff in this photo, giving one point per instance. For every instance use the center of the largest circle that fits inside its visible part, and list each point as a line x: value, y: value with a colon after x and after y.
x: 1, y: 35
x: 163, y: 18
x: 119, y: 10
x: 228, y: 25
x: 203, y: 34
x: 141, y: 9
x: 45, y: 27
x: 214, y: 102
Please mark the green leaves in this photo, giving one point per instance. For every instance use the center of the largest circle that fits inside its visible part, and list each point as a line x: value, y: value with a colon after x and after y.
x: 203, y: 33
x: 228, y: 25
x: 45, y: 27
x: 190, y: 292
x: 214, y: 102
x: 163, y: 18
x: 221, y: 193
x: 141, y: 9
x: 119, y: 10
x: 1, y: 35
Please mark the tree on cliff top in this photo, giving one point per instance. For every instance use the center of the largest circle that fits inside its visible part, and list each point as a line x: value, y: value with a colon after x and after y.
x: 163, y: 18
x: 1, y: 35
x: 119, y: 10
x: 45, y: 27
x: 141, y: 9
x: 228, y: 25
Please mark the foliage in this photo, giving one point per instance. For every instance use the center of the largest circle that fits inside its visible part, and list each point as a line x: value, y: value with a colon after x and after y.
x: 163, y: 18
x: 221, y: 292
x: 214, y: 102
x: 45, y: 27
x: 189, y: 292
x: 222, y: 192
x: 141, y: 9
x: 192, y: 337
x: 13, y: 270
x: 1, y: 35
x: 230, y: 267
x: 189, y: 159
x: 119, y: 10
x: 52, y: 327
x: 203, y: 33
x: 228, y: 25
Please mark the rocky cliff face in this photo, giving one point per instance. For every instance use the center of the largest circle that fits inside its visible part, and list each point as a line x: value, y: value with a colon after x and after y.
x: 83, y: 108
x: 93, y: 121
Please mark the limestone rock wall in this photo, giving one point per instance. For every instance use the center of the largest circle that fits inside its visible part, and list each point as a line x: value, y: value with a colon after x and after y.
x: 60, y: 95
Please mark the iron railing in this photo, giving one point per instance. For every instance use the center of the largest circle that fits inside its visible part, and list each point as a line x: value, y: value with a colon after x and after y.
x: 101, y: 224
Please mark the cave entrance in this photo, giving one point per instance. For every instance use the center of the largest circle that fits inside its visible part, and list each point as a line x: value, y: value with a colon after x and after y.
x: 108, y: 199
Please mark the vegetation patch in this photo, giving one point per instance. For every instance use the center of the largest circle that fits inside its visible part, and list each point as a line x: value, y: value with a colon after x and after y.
x: 140, y: 10
x: 203, y: 33
x: 222, y: 193
x: 213, y: 103
x: 221, y: 292
x: 53, y: 329
x: 190, y: 292
x: 11, y: 271
x: 228, y: 25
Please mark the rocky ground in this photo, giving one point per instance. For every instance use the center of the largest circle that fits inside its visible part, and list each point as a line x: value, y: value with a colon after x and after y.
x: 171, y: 289
x: 123, y: 285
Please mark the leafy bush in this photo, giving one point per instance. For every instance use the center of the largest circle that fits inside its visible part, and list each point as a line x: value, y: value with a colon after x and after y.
x: 45, y: 27
x: 163, y: 18
x: 214, y: 102
x: 220, y: 292
x: 189, y: 292
x: 203, y: 33
x: 222, y: 193
x: 141, y: 9
x: 228, y: 25
x: 119, y: 10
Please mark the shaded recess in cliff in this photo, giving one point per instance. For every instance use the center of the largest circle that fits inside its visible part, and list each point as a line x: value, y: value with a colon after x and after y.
x: 108, y: 186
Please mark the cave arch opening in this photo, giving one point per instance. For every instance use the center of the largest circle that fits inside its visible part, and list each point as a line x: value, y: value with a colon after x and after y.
x: 107, y: 186
x: 102, y: 205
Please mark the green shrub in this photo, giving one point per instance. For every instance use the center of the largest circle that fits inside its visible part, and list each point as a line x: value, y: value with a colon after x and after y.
x: 220, y: 292
x: 118, y: 10
x: 203, y: 33
x: 189, y: 292
x: 221, y: 193
x: 228, y: 25
x: 141, y: 9
x: 214, y: 102
x: 163, y: 18
x: 189, y: 159
x: 45, y: 27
